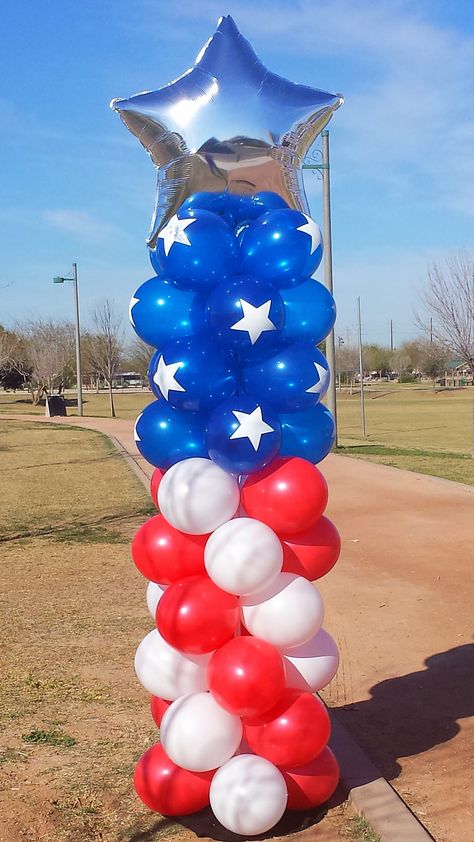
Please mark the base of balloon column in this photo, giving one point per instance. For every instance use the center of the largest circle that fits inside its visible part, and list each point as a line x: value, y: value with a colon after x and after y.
x: 205, y: 824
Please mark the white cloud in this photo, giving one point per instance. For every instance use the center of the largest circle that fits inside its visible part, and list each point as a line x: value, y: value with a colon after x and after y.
x: 79, y: 223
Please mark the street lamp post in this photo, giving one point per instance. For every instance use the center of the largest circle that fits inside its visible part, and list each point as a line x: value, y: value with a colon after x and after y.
x: 73, y: 280
x: 324, y: 168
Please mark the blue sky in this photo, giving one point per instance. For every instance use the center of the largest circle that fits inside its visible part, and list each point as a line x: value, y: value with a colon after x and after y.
x: 76, y: 186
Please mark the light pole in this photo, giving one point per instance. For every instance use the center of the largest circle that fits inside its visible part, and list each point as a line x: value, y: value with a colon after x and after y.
x: 324, y: 168
x: 73, y: 280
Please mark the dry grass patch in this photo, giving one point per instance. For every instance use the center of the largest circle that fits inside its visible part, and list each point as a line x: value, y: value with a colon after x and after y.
x: 59, y: 477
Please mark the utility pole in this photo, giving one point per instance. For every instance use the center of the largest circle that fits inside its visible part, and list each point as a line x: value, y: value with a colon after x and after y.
x: 391, y: 335
x: 361, y: 371
x: 324, y: 169
x: 328, y: 281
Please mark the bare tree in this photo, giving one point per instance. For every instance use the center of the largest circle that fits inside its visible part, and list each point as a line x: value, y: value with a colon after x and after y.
x: 8, y: 348
x: 448, y: 301
x: 139, y: 355
x: 48, y: 353
x: 105, y: 347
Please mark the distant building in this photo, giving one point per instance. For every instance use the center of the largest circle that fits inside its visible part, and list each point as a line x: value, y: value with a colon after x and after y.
x: 125, y: 379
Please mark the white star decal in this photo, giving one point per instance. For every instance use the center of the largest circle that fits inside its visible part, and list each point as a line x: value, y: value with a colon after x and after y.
x: 133, y: 301
x: 251, y: 426
x: 313, y: 231
x: 174, y: 232
x: 165, y: 379
x: 322, y: 383
x: 136, y: 437
x: 255, y: 320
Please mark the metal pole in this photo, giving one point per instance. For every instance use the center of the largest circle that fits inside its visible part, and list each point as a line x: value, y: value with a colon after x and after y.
x: 328, y: 283
x: 78, y: 342
x: 391, y: 335
x: 361, y: 371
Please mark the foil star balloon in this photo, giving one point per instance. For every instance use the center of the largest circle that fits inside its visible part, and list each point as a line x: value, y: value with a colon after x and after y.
x: 227, y: 124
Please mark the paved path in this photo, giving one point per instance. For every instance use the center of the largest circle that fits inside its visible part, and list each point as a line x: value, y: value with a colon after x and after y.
x: 399, y: 603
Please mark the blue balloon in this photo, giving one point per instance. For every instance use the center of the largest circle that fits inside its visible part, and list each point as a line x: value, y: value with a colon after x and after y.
x: 152, y: 366
x: 283, y: 247
x: 195, y: 249
x: 160, y: 311
x: 193, y: 374
x: 243, y: 435
x: 310, y: 312
x: 309, y: 434
x: 265, y: 201
x: 229, y: 206
x: 164, y: 435
x: 246, y: 316
x: 295, y: 378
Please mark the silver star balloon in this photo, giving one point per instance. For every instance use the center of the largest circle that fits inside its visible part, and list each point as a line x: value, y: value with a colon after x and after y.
x: 227, y: 124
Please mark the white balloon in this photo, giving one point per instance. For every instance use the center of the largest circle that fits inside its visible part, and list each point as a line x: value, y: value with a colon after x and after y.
x: 287, y: 612
x: 198, y: 734
x: 313, y: 665
x: 167, y: 673
x: 154, y: 593
x: 243, y: 555
x: 196, y: 496
x: 248, y: 795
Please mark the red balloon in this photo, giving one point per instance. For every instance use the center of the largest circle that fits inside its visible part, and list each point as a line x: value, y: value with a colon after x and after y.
x: 314, y: 552
x: 293, y: 732
x: 158, y: 708
x: 164, y: 555
x: 289, y: 495
x: 168, y: 789
x: 195, y: 616
x: 311, y: 785
x: 246, y: 676
x: 156, y: 478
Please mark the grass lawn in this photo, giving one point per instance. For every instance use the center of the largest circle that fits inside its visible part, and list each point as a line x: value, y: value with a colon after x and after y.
x: 411, y: 428
x: 128, y: 403
x: 74, y: 718
x: 407, y: 426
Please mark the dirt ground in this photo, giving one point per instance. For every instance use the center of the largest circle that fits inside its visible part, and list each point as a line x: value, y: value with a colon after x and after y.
x: 400, y: 604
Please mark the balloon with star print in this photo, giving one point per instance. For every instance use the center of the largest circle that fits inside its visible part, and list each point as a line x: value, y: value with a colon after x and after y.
x: 193, y: 374
x: 159, y: 311
x: 164, y: 435
x: 246, y: 316
x: 243, y: 435
x: 196, y: 249
x: 283, y: 247
x: 295, y: 378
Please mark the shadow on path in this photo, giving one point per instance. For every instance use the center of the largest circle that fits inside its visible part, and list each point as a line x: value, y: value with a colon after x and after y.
x: 411, y: 714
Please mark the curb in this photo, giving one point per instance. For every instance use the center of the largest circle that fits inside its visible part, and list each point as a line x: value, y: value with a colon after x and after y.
x: 371, y: 795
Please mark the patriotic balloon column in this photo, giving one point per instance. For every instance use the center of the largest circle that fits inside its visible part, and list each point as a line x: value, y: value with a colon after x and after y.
x: 238, y: 653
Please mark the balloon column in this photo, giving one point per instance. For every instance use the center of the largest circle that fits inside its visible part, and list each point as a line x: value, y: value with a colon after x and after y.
x: 238, y: 654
